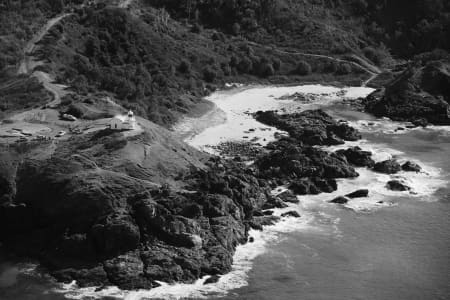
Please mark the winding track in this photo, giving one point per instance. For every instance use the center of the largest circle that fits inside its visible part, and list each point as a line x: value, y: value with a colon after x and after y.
x: 29, y: 63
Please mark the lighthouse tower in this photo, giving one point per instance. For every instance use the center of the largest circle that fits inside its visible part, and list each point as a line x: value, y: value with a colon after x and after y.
x: 123, y: 122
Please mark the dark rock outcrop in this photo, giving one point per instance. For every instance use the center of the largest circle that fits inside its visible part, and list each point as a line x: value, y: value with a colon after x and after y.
x: 421, y: 94
x: 396, y: 185
x: 411, y: 167
x: 314, y: 186
x: 274, y: 202
x: 291, y: 213
x: 288, y: 196
x: 296, y: 162
x: 257, y: 223
x: 212, y: 279
x: 389, y: 166
x: 340, y: 200
x: 312, y: 127
x: 290, y: 160
x: 357, y: 157
x: 358, y: 194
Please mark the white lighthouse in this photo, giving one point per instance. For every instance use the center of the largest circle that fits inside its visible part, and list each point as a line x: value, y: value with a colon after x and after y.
x: 123, y: 122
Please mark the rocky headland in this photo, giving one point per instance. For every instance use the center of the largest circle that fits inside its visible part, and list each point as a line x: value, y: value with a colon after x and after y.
x: 421, y: 94
x: 110, y: 208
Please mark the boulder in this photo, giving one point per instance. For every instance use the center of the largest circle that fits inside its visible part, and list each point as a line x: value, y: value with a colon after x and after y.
x: 411, y: 167
x: 422, y: 122
x: 288, y: 196
x: 396, y: 185
x: 389, y: 166
x: 229, y: 232
x: 325, y: 185
x: 304, y: 186
x: 116, y: 234
x: 190, y: 240
x: 95, y: 275
x: 217, y: 205
x: 291, y: 213
x: 127, y: 271
x: 274, y: 202
x: 357, y: 157
x: 340, y: 200
x: 358, y: 194
x: 160, y: 265
x: 313, y: 186
x: 212, y: 279
x: 257, y: 223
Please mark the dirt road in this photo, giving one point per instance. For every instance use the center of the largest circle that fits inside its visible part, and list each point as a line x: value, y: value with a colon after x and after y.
x: 29, y: 62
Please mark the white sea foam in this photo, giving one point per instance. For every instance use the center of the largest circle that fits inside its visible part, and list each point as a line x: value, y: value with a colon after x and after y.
x: 380, y: 151
x: 388, y: 126
x: 423, y: 184
x: 382, y: 125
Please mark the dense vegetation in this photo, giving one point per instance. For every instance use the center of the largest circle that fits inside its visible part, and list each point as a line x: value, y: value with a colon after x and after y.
x: 408, y: 27
x: 161, y: 56
x: 160, y: 67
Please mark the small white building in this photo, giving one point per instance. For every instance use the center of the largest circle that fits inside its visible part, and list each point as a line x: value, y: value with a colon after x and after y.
x: 123, y: 122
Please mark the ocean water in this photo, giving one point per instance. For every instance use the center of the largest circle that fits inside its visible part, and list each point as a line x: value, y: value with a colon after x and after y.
x: 391, y: 245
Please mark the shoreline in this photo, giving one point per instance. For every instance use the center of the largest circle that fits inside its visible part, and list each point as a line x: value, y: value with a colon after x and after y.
x: 239, y: 86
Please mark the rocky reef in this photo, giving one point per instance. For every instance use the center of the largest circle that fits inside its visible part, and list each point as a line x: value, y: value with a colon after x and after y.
x: 295, y: 161
x: 312, y: 127
x: 421, y: 94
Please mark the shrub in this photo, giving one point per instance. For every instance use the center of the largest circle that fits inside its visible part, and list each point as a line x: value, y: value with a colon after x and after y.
x: 339, y: 49
x: 264, y: 68
x: 359, y: 6
x: 218, y: 36
x: 234, y: 61
x: 436, y: 54
x: 344, y: 69
x: 236, y: 29
x: 303, y: 68
x: 276, y: 63
x: 245, y: 65
x: 330, y: 66
x: 226, y: 69
x: 374, y: 55
x: 246, y: 48
x: 184, y: 67
x: 209, y: 74
x: 196, y: 28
